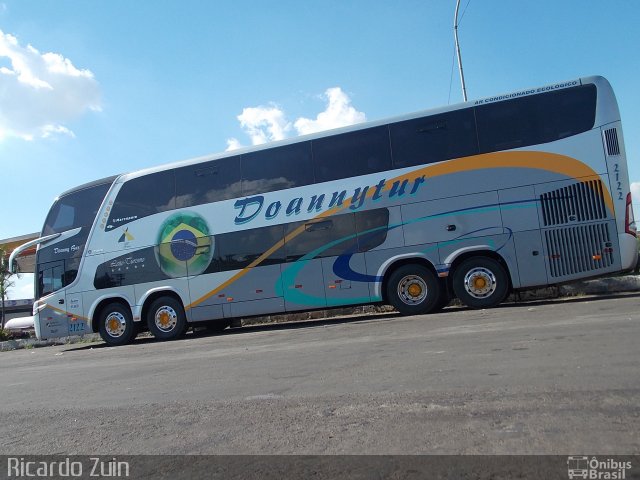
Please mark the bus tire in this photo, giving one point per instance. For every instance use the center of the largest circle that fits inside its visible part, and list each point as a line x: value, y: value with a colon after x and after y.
x: 480, y: 282
x: 166, y: 319
x: 414, y: 290
x: 443, y: 300
x: 116, y: 325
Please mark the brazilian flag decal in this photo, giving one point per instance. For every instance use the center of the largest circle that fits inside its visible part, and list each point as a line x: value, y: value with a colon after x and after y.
x: 185, y: 246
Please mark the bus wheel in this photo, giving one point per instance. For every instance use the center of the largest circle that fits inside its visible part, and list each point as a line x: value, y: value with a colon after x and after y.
x: 166, y: 319
x: 480, y: 282
x: 443, y: 300
x: 413, y: 290
x: 116, y: 325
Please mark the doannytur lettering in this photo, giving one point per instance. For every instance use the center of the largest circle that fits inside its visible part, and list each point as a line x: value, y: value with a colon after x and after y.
x: 252, y: 207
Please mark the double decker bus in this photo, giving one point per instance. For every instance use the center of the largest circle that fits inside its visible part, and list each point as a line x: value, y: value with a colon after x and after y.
x: 474, y: 200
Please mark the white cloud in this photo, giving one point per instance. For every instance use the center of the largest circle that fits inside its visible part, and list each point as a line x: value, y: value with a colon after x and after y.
x: 41, y: 91
x: 635, y: 192
x: 264, y: 124
x: 339, y: 113
x: 233, y: 144
x: 267, y: 124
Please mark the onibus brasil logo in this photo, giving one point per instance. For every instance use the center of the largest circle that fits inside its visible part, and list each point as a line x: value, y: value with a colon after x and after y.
x: 594, y: 468
x: 185, y: 246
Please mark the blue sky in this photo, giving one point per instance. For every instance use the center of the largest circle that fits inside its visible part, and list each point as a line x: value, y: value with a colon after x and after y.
x: 91, y: 89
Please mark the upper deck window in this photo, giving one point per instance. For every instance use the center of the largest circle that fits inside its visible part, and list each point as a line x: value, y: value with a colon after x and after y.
x: 143, y: 196
x: 536, y: 119
x: 434, y: 138
x: 76, y: 209
x: 351, y: 154
x: 277, y: 169
x: 208, y: 182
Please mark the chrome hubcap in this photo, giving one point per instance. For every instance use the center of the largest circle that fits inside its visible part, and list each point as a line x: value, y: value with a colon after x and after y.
x: 166, y: 318
x: 480, y: 282
x: 412, y: 290
x: 115, y: 324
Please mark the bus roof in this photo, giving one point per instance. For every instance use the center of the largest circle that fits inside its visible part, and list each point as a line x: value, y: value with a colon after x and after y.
x: 89, y: 185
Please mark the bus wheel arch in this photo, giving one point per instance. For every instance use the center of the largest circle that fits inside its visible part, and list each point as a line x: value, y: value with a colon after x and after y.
x: 407, y: 284
x: 480, y: 278
x: 164, y: 315
x: 113, y: 319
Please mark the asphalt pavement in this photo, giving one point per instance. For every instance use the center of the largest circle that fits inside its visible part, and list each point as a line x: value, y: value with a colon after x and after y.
x: 552, y: 377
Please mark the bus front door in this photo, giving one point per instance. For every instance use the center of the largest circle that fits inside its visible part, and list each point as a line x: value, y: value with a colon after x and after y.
x: 51, y: 319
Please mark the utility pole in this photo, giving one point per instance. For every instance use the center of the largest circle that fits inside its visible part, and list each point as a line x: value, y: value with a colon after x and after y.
x: 455, y: 34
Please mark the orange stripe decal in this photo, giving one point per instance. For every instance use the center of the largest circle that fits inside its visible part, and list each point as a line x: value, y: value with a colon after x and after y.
x: 552, y: 162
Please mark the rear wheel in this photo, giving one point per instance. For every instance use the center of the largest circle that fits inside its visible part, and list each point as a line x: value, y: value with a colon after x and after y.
x: 115, y: 325
x: 480, y: 282
x: 166, y: 319
x: 413, y: 290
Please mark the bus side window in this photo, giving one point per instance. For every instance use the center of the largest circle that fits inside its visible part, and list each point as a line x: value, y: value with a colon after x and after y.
x: 277, y: 169
x: 143, y: 196
x: 330, y: 237
x: 50, y: 278
x: 351, y: 154
x: 434, y: 138
x: 536, y: 119
x: 237, y: 250
x: 210, y: 182
x: 372, y: 226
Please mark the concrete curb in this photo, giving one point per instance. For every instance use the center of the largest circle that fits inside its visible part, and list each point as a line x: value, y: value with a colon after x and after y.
x: 599, y: 286
x: 28, y: 343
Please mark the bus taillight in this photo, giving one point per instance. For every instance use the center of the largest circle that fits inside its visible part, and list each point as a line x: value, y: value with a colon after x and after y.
x: 629, y: 220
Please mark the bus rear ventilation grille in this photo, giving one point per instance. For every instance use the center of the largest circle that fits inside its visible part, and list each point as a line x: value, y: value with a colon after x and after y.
x: 574, y: 250
x: 611, y: 137
x: 579, y: 202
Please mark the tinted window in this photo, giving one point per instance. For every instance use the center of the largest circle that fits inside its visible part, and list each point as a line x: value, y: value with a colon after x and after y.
x: 320, y: 233
x: 434, y: 138
x: 536, y: 119
x: 351, y: 154
x: 77, y: 209
x: 277, y: 169
x: 208, y: 182
x: 238, y: 249
x: 135, y: 267
x: 50, y: 278
x: 143, y: 196
x: 372, y: 226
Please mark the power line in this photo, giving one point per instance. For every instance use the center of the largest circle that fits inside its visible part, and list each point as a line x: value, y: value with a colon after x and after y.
x: 453, y: 62
x: 462, y: 16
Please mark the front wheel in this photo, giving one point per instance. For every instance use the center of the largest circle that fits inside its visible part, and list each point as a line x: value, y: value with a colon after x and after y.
x: 166, y: 319
x: 115, y: 325
x: 414, y: 290
x: 480, y: 282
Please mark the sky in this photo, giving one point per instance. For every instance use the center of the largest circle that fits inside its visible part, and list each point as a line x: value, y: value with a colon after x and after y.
x: 90, y: 89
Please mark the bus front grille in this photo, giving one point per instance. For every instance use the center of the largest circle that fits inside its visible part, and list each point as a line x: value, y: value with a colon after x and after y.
x: 579, y: 202
x: 578, y: 249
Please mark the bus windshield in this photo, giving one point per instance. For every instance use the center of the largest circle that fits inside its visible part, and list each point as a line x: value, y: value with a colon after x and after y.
x: 75, y: 209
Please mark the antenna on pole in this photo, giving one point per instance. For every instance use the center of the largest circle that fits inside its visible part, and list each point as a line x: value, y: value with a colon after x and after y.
x: 455, y: 34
